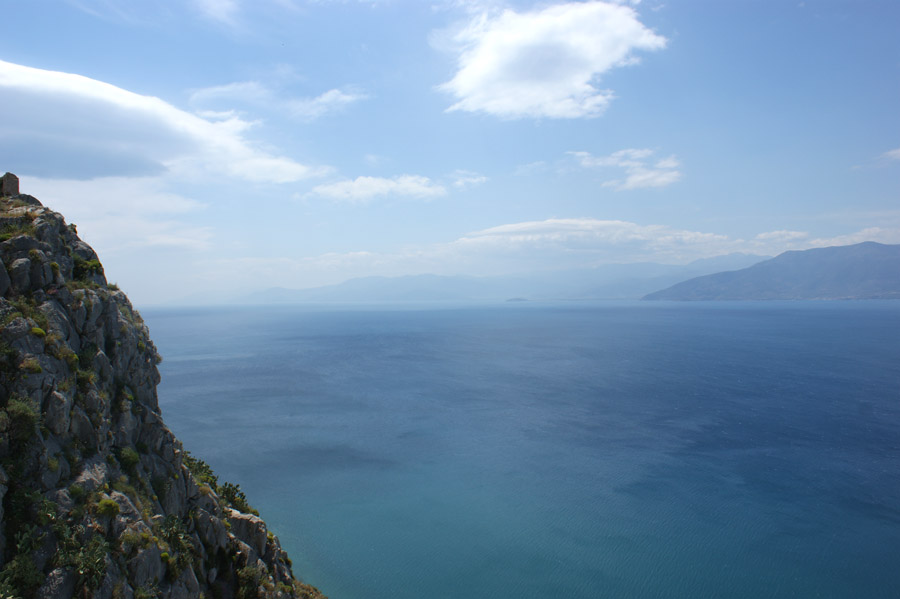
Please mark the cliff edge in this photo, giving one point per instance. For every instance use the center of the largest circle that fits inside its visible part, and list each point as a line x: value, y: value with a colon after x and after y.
x: 99, y: 499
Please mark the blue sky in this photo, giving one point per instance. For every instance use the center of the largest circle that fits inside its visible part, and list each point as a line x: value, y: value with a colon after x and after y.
x: 207, y: 148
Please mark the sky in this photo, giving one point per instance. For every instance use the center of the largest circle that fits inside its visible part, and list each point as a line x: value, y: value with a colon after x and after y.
x: 212, y: 148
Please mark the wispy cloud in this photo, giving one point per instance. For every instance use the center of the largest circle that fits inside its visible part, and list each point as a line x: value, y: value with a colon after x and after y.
x: 782, y: 236
x: 68, y: 125
x: 879, y: 234
x: 364, y: 189
x: 639, y: 170
x: 552, y: 244
x: 224, y: 11
x: 464, y: 179
x: 331, y: 101
x: 255, y: 93
x: 892, y: 154
x: 545, y: 63
x: 121, y: 213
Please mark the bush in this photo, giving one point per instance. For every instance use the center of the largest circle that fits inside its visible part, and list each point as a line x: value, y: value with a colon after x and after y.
x: 108, y: 507
x: 85, y: 378
x: 31, y: 366
x: 128, y: 458
x: 77, y: 493
x: 248, y: 582
x: 233, y: 495
x: 201, y: 471
x: 23, y: 420
x: 20, y: 577
x: 90, y: 562
x: 85, y: 268
x: 38, y: 332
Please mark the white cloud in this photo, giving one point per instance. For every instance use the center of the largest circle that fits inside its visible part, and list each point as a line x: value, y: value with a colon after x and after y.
x: 514, y: 248
x: 63, y: 124
x: 330, y: 101
x: 879, y: 234
x: 545, y: 63
x: 245, y: 91
x: 224, y: 11
x: 782, y: 236
x: 364, y: 189
x: 892, y: 154
x: 464, y: 179
x: 587, y: 233
x: 119, y: 213
x: 638, y: 171
x: 257, y: 94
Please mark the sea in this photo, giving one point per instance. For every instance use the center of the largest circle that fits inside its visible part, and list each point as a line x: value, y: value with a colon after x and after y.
x: 573, y: 450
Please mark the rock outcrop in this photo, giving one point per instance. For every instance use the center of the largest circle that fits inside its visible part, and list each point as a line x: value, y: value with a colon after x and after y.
x: 97, y: 497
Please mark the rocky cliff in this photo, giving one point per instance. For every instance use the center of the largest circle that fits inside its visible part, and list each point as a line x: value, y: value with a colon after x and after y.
x: 99, y: 499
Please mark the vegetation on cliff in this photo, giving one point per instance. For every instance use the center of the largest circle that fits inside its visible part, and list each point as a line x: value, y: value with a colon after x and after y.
x: 97, y: 497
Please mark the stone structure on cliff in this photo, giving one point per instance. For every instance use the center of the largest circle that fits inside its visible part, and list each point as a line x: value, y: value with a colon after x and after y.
x: 99, y: 499
x: 9, y: 185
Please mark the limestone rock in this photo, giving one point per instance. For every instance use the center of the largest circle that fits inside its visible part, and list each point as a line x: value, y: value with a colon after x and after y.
x: 95, y: 471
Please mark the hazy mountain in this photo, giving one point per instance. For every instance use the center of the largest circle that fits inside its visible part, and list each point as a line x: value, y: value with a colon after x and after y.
x: 614, y: 281
x: 866, y: 270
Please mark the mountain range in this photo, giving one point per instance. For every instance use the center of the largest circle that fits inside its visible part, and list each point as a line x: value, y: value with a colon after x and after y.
x: 611, y: 281
x: 865, y: 270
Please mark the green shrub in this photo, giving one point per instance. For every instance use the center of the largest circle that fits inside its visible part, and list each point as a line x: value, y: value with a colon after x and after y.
x: 235, y: 497
x: 150, y: 592
x: 23, y: 419
x: 85, y: 268
x: 128, y: 458
x: 108, y: 507
x: 15, y: 229
x: 38, y: 332
x: 248, y: 583
x: 20, y: 577
x: 69, y: 356
x: 31, y: 366
x: 85, y: 378
x: 90, y: 562
x: 201, y: 471
x: 9, y: 357
x: 77, y: 493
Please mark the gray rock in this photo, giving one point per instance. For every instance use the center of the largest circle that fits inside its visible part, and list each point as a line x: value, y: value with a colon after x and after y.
x: 4, y: 280
x: 60, y: 584
x: 97, y: 329
x: 82, y: 428
x: 4, y: 482
x: 56, y: 412
x: 146, y: 568
x: 248, y: 528
x: 94, y: 474
x: 211, y: 530
x: 20, y: 275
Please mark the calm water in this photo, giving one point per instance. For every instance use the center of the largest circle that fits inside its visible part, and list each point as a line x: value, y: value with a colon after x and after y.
x: 583, y: 451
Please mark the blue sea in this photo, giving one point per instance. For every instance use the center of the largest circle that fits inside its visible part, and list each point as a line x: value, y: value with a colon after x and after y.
x: 578, y: 450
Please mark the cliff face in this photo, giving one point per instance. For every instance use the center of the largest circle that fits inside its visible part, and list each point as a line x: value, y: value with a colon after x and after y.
x: 99, y: 499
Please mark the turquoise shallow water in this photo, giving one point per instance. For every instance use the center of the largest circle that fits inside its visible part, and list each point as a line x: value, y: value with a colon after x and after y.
x: 534, y: 450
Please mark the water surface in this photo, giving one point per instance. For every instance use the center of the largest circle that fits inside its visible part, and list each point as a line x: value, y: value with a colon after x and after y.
x: 567, y: 450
